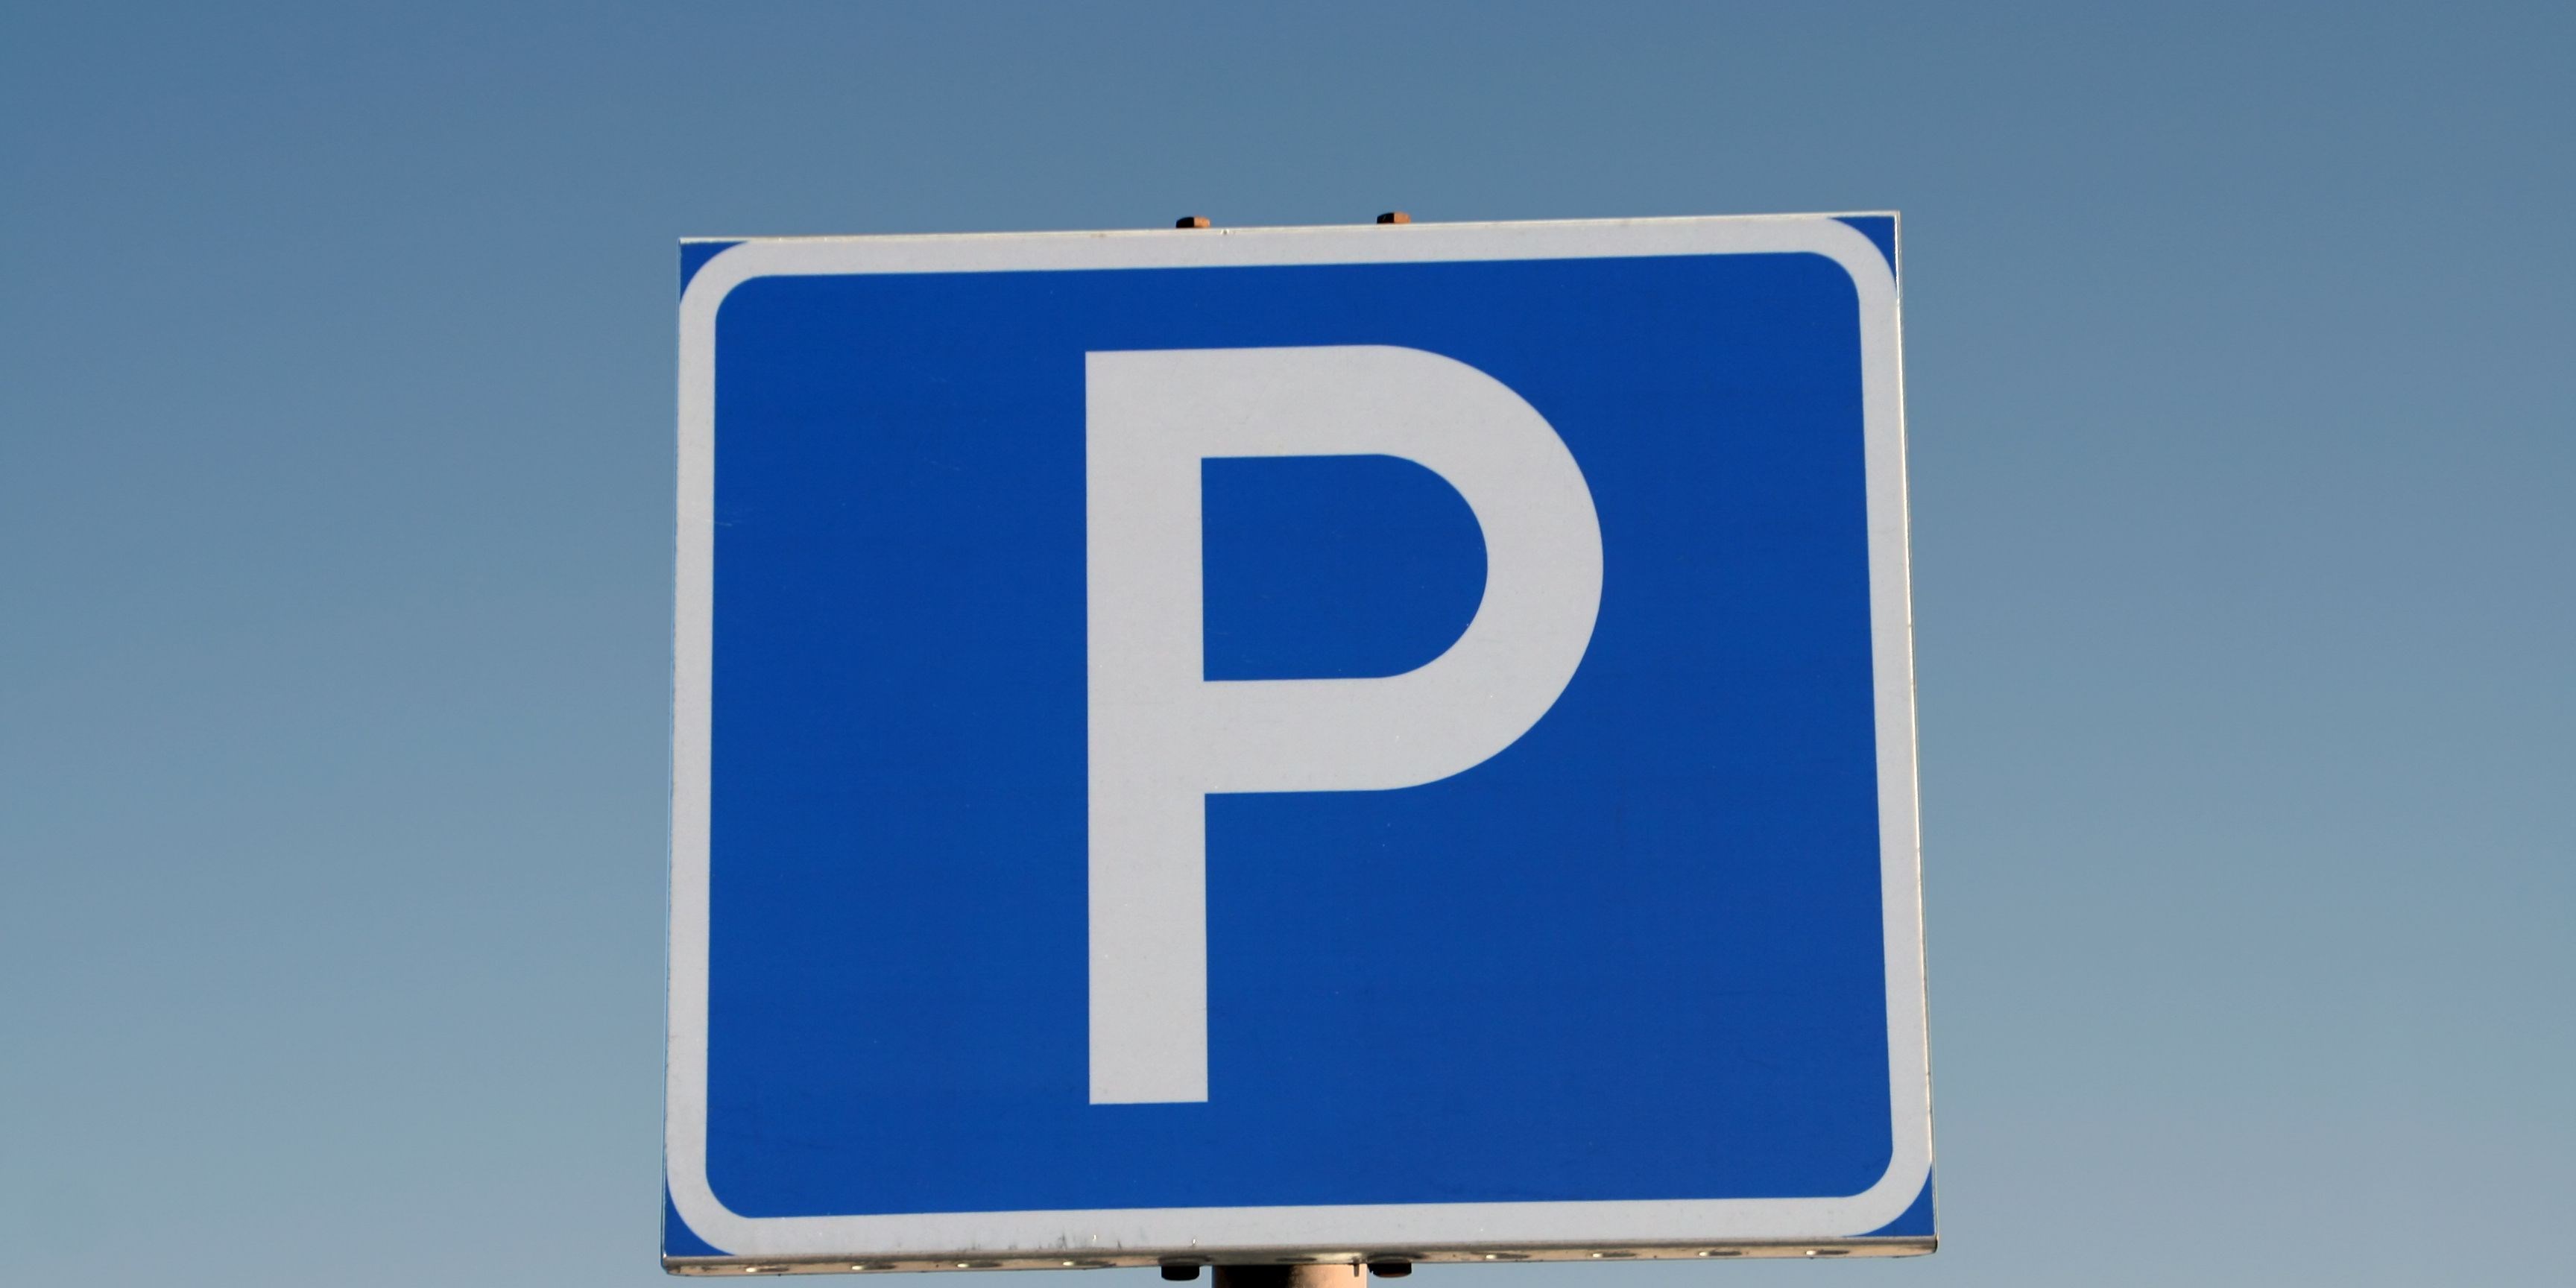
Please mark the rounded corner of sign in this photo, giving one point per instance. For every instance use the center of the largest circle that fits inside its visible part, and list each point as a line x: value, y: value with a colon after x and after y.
x: 715, y: 280
x: 702, y: 1216
x: 1895, y: 1191
x: 1872, y: 277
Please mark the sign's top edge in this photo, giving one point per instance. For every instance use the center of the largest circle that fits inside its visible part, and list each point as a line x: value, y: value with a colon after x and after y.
x: 1279, y: 229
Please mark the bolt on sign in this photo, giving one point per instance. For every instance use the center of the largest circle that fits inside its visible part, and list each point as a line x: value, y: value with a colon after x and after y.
x: 1382, y: 743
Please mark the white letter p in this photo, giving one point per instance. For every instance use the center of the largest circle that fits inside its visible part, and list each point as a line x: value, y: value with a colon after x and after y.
x: 1164, y: 737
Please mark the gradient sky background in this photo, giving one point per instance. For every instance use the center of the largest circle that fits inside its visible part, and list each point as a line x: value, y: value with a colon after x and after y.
x: 336, y: 369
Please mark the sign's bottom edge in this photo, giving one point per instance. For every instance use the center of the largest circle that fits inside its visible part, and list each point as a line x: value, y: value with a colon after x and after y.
x: 1092, y: 1259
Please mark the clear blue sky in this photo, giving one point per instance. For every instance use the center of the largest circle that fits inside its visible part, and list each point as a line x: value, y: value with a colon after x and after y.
x: 336, y: 371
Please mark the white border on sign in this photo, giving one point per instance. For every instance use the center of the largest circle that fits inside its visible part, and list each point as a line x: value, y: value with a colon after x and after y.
x: 1208, y: 1230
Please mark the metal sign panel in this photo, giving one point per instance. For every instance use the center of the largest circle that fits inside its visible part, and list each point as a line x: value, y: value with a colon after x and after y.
x: 1387, y: 742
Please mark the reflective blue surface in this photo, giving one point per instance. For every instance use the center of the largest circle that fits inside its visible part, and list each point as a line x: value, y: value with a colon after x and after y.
x: 1636, y: 955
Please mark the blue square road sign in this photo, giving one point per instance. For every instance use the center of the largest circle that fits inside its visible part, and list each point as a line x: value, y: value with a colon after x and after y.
x: 1390, y: 741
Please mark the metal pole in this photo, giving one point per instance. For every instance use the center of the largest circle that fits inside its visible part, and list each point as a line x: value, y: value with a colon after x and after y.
x: 1321, y: 1275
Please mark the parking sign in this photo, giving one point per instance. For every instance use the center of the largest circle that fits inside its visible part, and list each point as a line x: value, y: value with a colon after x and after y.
x: 1274, y: 745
